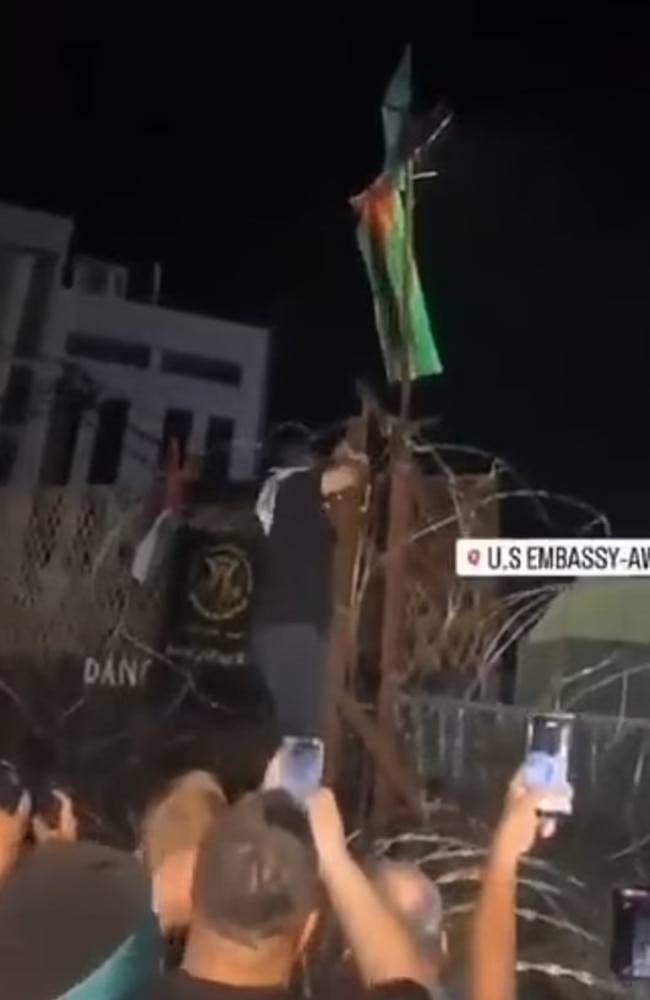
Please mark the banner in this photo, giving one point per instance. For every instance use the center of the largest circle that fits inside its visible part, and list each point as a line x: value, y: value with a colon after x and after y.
x: 211, y: 598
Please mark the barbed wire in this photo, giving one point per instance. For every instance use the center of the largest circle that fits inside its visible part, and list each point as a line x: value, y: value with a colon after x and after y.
x: 452, y: 849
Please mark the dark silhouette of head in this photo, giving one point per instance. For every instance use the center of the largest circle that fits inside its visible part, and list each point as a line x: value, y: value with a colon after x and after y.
x: 256, y: 893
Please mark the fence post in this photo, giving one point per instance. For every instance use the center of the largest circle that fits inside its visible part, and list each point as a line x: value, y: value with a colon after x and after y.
x: 342, y: 648
x: 393, y: 631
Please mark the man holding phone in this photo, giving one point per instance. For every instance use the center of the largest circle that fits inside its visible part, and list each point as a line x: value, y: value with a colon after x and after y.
x: 539, y: 794
x: 528, y: 815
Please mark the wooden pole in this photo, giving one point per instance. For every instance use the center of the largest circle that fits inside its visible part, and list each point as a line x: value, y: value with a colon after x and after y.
x: 342, y: 648
x: 392, y: 638
x: 399, y: 523
x: 397, y: 777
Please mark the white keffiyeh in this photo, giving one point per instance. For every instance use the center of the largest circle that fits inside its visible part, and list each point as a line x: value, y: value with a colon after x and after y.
x: 152, y: 548
x: 265, y: 506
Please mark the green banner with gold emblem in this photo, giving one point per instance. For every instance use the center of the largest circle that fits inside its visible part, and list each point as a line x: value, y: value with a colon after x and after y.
x: 211, y: 598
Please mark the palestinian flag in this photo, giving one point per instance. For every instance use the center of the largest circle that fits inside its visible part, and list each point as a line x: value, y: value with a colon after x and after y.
x: 385, y: 241
x: 403, y: 322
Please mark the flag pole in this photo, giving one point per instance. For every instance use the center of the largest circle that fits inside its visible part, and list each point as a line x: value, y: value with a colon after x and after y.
x: 405, y: 293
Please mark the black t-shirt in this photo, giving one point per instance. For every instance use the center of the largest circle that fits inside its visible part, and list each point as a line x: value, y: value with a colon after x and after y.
x: 180, y: 986
x: 295, y: 575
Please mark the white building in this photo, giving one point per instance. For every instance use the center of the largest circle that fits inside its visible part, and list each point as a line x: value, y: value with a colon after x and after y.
x: 94, y: 385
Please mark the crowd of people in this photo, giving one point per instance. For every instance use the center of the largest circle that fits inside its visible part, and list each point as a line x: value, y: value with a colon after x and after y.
x: 234, y: 901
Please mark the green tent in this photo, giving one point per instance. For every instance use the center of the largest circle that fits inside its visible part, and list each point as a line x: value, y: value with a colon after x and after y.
x: 590, y: 651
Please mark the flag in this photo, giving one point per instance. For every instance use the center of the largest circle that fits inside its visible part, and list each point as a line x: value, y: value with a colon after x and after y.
x: 400, y: 309
x: 395, y: 114
x: 385, y: 241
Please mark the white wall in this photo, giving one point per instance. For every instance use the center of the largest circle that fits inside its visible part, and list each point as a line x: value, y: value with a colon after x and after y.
x: 24, y: 233
x: 151, y: 392
x: 24, y: 227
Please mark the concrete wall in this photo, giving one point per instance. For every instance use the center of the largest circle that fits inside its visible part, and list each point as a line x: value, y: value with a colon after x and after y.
x: 24, y: 235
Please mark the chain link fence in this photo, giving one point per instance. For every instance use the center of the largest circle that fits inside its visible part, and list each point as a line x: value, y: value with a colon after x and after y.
x: 65, y: 571
x: 88, y: 695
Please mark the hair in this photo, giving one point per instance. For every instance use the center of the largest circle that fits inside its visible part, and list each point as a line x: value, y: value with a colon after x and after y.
x: 257, y: 871
x: 180, y: 817
x: 295, y: 454
x: 289, y: 445
x: 424, y: 919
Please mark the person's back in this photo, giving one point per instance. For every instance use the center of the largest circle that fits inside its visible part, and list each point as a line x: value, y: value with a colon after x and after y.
x: 295, y: 572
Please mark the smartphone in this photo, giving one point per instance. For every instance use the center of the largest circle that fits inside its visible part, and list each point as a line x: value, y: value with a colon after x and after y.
x: 547, y: 761
x: 301, y: 763
x: 630, y: 947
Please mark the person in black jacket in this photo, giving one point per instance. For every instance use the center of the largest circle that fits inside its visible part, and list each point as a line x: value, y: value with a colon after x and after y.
x: 293, y: 607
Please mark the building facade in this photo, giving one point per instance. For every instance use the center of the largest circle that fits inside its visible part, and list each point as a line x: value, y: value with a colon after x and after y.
x: 94, y: 385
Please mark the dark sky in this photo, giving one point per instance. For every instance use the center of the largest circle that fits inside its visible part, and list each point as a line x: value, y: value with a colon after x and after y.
x: 227, y: 151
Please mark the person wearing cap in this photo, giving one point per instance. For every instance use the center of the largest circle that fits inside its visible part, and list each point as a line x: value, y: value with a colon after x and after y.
x: 76, y: 923
x: 293, y: 601
x: 258, y: 890
x: 173, y: 825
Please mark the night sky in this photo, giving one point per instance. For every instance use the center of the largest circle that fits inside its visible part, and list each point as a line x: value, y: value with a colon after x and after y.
x: 228, y: 151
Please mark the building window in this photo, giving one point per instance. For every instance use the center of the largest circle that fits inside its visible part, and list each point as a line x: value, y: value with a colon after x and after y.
x: 198, y: 367
x: 109, y: 350
x: 112, y: 422
x: 14, y: 405
x: 177, y: 427
x: 218, y: 444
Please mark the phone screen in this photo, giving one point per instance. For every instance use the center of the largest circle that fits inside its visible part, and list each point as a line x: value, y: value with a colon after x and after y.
x: 301, y: 766
x: 548, y: 750
x: 630, y: 948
